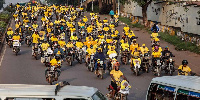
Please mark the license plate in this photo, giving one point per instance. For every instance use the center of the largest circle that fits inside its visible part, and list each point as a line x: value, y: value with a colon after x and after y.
x: 15, y: 44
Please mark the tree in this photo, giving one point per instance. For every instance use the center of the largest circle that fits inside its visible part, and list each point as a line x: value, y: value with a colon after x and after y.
x: 100, y: 4
x: 144, y: 4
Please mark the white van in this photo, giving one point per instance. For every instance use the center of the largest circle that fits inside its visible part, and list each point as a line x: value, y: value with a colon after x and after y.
x: 174, y: 88
x: 49, y: 92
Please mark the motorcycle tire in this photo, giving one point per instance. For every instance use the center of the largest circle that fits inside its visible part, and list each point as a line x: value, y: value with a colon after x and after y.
x: 50, y: 80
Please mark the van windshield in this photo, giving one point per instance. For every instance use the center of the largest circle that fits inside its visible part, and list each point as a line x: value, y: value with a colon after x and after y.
x: 160, y: 92
x: 98, y: 96
x: 187, y: 95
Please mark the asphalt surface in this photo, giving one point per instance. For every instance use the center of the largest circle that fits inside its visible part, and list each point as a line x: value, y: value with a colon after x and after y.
x: 24, y: 69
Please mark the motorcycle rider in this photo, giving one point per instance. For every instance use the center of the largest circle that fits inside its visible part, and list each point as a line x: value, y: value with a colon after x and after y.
x: 184, y: 69
x: 9, y: 33
x: 99, y: 55
x: 115, y: 77
x: 44, y: 46
x: 16, y: 37
x: 155, y: 54
x: 155, y: 28
x: 135, y: 56
x: 35, y: 40
x: 59, y: 51
x: 54, y: 62
x: 144, y: 49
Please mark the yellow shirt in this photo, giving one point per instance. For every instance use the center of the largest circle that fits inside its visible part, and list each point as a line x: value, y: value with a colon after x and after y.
x: 105, y: 21
x: 144, y: 50
x: 109, y: 40
x: 116, y: 75
x: 9, y: 32
x: 85, y: 19
x: 186, y: 69
x: 126, y: 29
x: 106, y: 28
x: 79, y: 44
x: 125, y: 46
x: 16, y: 37
x: 54, y: 62
x: 154, y: 35
x: 73, y: 38
x: 54, y: 39
x: 89, y: 29
x: 69, y: 45
x: 45, y: 46
x: 91, y: 51
x: 35, y: 38
x: 156, y: 54
x: 133, y: 46
x: 62, y: 43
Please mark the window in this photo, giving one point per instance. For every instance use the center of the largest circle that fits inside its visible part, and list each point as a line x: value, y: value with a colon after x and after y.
x: 30, y: 99
x: 160, y: 92
x: 187, y: 95
x: 98, y: 96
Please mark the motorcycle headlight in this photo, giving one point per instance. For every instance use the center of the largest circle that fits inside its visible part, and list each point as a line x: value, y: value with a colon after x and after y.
x: 170, y: 60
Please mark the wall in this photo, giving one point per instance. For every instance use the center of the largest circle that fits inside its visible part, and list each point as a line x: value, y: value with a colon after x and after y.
x: 174, y: 15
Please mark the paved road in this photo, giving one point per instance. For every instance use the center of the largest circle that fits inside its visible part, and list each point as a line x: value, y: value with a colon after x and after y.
x: 24, y: 69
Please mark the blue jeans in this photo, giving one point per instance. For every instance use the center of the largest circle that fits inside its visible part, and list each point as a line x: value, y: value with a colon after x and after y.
x: 95, y: 66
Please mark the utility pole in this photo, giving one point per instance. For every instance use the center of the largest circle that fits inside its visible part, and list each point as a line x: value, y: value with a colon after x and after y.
x: 92, y: 5
x: 118, y: 8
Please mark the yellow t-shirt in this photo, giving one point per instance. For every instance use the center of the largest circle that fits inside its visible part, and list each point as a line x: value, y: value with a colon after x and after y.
x: 54, y: 62
x: 45, y: 46
x: 62, y: 43
x: 106, y: 28
x: 125, y: 46
x: 116, y: 74
x: 9, y: 32
x: 35, y: 38
x: 111, y: 51
x: 126, y: 29
x: 91, y: 51
x: 16, y: 37
x: 79, y: 44
x: 69, y: 45
x: 156, y: 54
x: 54, y: 39
x: 186, y: 69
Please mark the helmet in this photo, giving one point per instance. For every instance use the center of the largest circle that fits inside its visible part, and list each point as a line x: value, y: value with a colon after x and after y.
x: 99, y: 49
x: 184, y: 62
x: 143, y: 45
x: 167, y: 48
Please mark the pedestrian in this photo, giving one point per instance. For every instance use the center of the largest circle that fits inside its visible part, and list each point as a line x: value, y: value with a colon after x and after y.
x: 112, y: 14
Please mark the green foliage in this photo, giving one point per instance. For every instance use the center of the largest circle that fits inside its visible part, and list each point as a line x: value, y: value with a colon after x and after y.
x: 9, y: 9
x: 174, y: 40
x: 4, y: 16
x: 3, y: 24
x: 125, y: 20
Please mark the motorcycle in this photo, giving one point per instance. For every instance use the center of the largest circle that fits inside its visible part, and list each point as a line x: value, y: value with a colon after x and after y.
x: 116, y: 22
x: 79, y: 53
x: 54, y: 45
x: 111, y: 58
x: 28, y: 41
x: 145, y: 62
x: 51, y: 75
x: 100, y: 70
x: 135, y: 65
x: 69, y: 57
x: 124, y: 57
x: 157, y: 68
x: 16, y: 46
x: 46, y: 57
x: 120, y: 94
x: 169, y: 68
x: 36, y: 51
x: 10, y: 41
x: 90, y: 64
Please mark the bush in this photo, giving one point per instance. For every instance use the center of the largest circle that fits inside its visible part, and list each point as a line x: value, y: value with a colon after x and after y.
x: 3, y: 24
x: 9, y: 9
x: 105, y: 9
x: 4, y: 16
x: 125, y: 20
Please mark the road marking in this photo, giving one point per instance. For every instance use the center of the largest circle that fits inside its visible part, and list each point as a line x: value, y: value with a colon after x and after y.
x: 3, y: 55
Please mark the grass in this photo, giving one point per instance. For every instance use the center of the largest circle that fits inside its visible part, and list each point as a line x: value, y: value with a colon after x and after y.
x: 174, y: 40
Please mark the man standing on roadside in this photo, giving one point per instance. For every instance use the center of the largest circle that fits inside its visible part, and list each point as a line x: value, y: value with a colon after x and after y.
x: 112, y: 14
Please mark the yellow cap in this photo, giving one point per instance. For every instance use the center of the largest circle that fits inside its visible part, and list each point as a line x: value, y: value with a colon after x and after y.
x: 143, y: 44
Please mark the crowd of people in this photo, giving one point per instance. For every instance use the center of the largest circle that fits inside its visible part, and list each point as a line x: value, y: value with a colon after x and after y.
x: 89, y: 38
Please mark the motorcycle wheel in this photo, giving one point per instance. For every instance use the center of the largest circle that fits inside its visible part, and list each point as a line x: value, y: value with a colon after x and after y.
x: 146, y: 68
x: 137, y: 71
x: 171, y: 70
x: 92, y: 67
x: 36, y: 56
x: 126, y: 61
x: 50, y: 80
x: 70, y: 61
x: 80, y: 59
x: 158, y: 71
